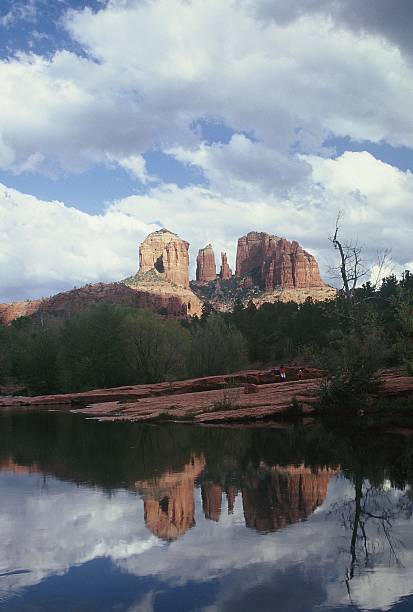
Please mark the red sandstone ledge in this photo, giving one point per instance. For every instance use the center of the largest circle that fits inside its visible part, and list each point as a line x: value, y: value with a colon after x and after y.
x: 138, y: 392
x: 252, y: 395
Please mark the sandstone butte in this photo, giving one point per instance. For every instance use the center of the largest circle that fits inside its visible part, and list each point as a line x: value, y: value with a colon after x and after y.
x: 161, y: 285
x: 272, y: 262
x: 276, y: 268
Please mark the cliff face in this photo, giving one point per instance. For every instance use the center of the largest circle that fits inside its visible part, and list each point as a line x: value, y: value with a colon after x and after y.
x: 166, y: 253
x: 271, y: 262
x: 9, y: 312
x: 205, y: 265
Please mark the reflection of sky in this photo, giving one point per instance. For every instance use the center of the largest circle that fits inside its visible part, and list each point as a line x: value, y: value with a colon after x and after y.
x: 62, y: 541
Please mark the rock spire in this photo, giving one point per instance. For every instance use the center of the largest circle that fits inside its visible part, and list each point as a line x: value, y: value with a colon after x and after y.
x: 206, y: 270
x: 225, y: 272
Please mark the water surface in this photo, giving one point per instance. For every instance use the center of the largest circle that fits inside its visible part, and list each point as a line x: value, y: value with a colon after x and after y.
x: 121, y: 516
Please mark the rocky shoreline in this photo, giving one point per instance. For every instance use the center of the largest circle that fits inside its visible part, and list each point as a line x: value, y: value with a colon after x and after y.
x: 252, y: 395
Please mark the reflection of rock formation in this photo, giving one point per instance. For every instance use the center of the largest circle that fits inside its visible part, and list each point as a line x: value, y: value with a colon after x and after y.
x: 275, y: 497
x: 8, y: 465
x: 272, y: 498
x: 211, y: 500
x: 169, y: 501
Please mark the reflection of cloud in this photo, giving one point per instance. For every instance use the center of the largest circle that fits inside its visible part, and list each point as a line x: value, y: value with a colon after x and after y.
x: 47, y: 526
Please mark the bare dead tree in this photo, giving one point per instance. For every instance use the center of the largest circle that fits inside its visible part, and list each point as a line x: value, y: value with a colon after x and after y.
x: 383, y: 261
x: 351, y: 267
x: 369, y: 518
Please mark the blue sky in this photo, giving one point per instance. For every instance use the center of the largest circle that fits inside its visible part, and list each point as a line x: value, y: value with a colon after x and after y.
x: 213, y: 119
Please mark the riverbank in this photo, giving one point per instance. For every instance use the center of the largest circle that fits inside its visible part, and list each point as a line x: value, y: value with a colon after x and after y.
x: 252, y: 395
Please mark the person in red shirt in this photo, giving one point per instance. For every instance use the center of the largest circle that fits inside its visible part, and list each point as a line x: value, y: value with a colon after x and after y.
x: 283, y: 373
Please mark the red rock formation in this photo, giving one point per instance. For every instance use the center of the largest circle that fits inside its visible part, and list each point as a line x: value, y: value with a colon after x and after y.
x: 211, y: 500
x: 250, y: 253
x: 166, y: 253
x: 273, y: 262
x: 225, y: 272
x: 159, y: 296
x: 277, y: 497
x: 15, y: 310
x: 169, y: 504
x: 206, y: 270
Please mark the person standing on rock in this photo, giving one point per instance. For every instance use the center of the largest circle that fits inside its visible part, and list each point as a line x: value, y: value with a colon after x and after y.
x: 283, y: 373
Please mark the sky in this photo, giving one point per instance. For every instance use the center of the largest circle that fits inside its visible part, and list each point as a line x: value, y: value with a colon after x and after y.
x: 211, y: 118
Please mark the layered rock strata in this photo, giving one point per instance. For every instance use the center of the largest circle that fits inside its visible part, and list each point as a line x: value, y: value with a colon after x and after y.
x: 206, y: 270
x: 166, y: 253
x: 271, y: 262
x: 225, y: 271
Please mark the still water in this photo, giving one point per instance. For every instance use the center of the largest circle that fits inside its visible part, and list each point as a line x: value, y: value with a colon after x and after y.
x: 117, y: 516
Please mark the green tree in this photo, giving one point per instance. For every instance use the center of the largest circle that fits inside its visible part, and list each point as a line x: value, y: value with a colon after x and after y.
x: 154, y: 349
x: 91, y: 353
x: 217, y: 347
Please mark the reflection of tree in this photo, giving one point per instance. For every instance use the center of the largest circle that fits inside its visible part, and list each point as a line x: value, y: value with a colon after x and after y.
x: 369, y: 518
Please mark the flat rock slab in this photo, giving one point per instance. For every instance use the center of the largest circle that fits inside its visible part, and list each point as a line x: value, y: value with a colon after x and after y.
x: 211, y: 406
x: 208, y: 400
x: 137, y: 392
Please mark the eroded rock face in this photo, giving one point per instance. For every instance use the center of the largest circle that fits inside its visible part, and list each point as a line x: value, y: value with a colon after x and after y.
x: 15, y: 310
x: 225, y: 272
x: 206, y: 270
x: 166, y: 253
x: 271, y: 262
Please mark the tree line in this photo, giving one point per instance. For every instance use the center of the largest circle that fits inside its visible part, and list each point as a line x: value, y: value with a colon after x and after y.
x: 107, y: 345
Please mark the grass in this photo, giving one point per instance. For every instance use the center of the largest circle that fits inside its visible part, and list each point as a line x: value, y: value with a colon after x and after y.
x: 229, y: 400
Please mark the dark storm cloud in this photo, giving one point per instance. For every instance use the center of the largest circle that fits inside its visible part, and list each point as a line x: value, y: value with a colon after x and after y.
x: 392, y: 19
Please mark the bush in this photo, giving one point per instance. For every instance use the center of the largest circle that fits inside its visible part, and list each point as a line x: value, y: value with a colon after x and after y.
x: 352, y: 362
